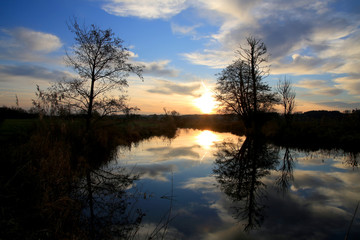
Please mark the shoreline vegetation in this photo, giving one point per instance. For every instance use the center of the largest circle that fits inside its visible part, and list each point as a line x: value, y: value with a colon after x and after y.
x: 43, y: 161
x: 309, y: 130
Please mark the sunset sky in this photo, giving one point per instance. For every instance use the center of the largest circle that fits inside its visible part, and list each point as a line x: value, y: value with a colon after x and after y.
x: 184, y: 43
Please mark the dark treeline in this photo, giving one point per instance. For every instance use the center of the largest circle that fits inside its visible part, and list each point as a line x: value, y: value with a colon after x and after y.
x: 308, y: 130
x: 15, y: 113
x: 319, y: 129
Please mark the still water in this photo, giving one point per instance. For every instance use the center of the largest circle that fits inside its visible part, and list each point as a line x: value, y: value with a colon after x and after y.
x: 209, y: 185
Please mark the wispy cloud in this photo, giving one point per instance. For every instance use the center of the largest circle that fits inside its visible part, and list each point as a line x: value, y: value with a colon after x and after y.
x: 151, y: 9
x: 31, y: 71
x: 330, y: 91
x: 169, y: 88
x: 311, y: 83
x: 184, y: 30
x: 212, y: 58
x: 350, y: 84
x: 159, y: 68
x: 319, y: 87
x: 341, y: 105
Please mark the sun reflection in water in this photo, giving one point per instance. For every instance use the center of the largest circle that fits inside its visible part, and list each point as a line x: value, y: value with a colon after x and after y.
x: 206, y: 139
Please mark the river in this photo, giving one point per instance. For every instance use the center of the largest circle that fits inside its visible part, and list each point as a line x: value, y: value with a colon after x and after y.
x: 210, y: 185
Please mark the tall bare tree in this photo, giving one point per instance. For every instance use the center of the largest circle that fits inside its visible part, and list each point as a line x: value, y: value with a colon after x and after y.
x: 102, y: 66
x: 287, y: 94
x: 240, y: 86
x: 101, y: 61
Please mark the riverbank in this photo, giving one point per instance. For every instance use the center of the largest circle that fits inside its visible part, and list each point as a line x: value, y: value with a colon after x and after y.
x: 44, y: 163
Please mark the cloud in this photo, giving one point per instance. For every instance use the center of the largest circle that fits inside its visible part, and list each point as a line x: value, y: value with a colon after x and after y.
x: 341, y: 105
x: 212, y: 58
x: 309, y: 83
x: 305, y: 65
x: 328, y: 91
x: 159, y: 68
x: 319, y: 87
x: 184, y: 30
x: 349, y: 83
x: 313, y: 35
x: 310, y: 33
x: 170, y: 88
x: 33, y: 71
x: 151, y: 9
x: 24, y: 44
x: 35, y: 41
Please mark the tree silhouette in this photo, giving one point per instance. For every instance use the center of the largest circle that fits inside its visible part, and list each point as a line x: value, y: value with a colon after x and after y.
x: 284, y: 89
x: 240, y: 87
x: 102, y: 65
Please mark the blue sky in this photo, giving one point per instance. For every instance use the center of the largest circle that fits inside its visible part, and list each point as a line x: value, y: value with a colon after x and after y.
x: 183, y: 43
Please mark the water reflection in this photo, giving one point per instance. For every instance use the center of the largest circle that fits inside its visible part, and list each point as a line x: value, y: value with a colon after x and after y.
x: 206, y: 139
x: 114, y: 215
x: 316, y: 203
x: 239, y: 168
x: 352, y: 159
x: 275, y: 192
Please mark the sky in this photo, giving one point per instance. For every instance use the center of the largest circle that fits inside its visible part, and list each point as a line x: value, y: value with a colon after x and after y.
x: 183, y: 44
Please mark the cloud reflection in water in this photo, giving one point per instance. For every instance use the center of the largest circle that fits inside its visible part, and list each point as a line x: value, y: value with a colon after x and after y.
x: 319, y: 201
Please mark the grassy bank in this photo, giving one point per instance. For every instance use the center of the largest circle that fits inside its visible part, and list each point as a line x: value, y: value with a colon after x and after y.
x: 43, y: 166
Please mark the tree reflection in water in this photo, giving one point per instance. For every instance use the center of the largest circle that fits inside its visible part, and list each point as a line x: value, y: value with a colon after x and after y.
x: 239, y: 169
x: 286, y: 172
x: 115, y: 211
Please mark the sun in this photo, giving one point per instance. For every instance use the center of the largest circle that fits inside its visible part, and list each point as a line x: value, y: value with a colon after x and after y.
x: 206, y: 103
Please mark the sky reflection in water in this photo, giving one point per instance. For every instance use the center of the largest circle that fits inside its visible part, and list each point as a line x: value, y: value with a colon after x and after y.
x: 219, y: 189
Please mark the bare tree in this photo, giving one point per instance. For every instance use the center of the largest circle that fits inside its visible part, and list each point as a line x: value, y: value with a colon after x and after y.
x: 101, y: 61
x: 240, y: 87
x: 102, y: 65
x: 284, y: 89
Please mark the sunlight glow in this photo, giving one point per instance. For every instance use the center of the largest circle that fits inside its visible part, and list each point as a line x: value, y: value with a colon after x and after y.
x: 206, y: 103
x: 206, y: 139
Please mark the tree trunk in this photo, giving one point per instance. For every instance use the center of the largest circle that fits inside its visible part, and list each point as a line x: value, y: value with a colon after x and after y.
x: 254, y: 114
x: 90, y: 107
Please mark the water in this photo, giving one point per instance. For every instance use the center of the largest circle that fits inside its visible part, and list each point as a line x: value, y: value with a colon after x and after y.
x: 196, y: 186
